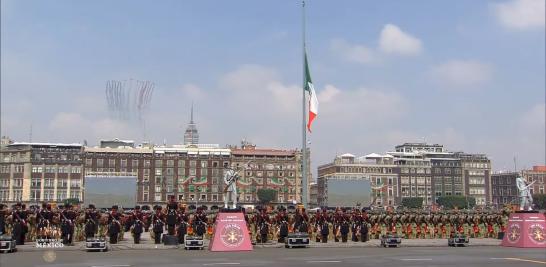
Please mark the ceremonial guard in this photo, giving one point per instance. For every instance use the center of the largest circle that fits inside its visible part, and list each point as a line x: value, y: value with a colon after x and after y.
x: 282, y: 224
x: 324, y: 226
x: 20, y: 228
x: 183, y: 226
x: 137, y: 224
x: 67, y: 224
x: 356, y: 219
x: 262, y: 224
x: 91, y: 221
x: 44, y: 217
x: 364, y: 227
x: 158, y: 223
x: 200, y: 222
x: 114, y: 225
x: 301, y: 221
x: 337, y: 221
x: 344, y: 228
x: 172, y: 216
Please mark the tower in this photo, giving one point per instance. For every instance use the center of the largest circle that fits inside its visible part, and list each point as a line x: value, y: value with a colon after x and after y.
x: 191, y: 136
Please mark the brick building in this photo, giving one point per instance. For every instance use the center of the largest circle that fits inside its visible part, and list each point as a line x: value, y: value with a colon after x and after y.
x: 503, y: 189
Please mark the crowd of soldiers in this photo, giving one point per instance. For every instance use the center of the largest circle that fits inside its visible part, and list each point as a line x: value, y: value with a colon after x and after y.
x: 69, y: 223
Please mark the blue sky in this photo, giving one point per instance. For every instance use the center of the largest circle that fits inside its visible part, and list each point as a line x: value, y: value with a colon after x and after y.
x: 467, y: 74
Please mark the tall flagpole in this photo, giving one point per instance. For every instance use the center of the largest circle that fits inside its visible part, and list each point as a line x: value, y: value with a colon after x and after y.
x: 304, y: 120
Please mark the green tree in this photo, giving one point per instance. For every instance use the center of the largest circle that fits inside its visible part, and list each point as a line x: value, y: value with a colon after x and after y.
x: 266, y: 195
x: 412, y: 202
x: 461, y: 202
x: 540, y: 201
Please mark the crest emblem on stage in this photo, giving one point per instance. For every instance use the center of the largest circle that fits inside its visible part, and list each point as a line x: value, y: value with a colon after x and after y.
x: 537, y: 233
x: 232, y: 235
x: 514, y: 233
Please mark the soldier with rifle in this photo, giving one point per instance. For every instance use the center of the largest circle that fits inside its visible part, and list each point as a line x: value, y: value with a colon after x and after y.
x: 137, y: 224
x: 281, y: 220
x: 20, y: 228
x: 114, y: 225
x: 44, y: 218
x: 158, y: 223
x: 182, y: 229
x: 91, y: 221
x: 172, y: 215
x: 67, y: 224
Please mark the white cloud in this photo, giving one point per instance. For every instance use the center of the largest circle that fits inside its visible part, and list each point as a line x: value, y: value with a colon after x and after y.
x: 328, y: 94
x: 351, y: 52
x: 394, y: 41
x: 521, y: 14
x: 461, y: 73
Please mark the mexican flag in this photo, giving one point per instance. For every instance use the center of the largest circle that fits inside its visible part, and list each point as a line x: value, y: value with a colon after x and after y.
x: 313, y: 101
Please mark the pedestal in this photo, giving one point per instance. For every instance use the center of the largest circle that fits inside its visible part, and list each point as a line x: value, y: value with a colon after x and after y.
x: 230, y: 233
x: 525, y: 230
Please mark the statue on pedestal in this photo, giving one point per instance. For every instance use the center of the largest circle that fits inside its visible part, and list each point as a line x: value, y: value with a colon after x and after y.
x: 526, y: 202
x: 230, y: 191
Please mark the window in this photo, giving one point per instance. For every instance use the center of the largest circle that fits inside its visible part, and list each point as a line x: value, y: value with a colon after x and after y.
x: 192, y: 172
x: 193, y: 163
x: 37, y: 169
x: 203, y: 164
x: 62, y: 183
x: 158, y: 172
x: 181, y: 163
x: 147, y: 163
x: 145, y: 197
x: 134, y: 163
x: 4, y: 169
x: 48, y: 195
x: 4, y: 182
x: 75, y: 169
x: 37, y: 183
x: 75, y: 183
x: 158, y: 163
x: 18, y: 182
x: 49, y: 182
x: 157, y: 197
x: 17, y: 195
x: 61, y: 195
x: 124, y: 163
x: 170, y: 163
x: 75, y: 194
x: 111, y: 163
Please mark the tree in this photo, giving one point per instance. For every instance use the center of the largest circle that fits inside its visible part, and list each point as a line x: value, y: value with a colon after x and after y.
x: 266, y: 195
x: 540, y: 201
x: 461, y: 202
x: 412, y: 202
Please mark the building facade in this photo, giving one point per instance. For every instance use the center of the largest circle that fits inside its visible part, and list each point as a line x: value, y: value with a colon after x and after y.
x: 36, y: 172
x: 476, y: 170
x: 268, y: 168
x: 503, y: 189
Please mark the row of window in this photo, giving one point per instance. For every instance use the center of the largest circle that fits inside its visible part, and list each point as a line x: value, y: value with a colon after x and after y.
x: 37, y: 182
x: 36, y: 195
x: 204, y: 197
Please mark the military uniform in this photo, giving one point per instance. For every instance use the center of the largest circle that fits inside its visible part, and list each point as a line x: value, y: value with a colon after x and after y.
x: 172, y: 216
x: 137, y: 224
x: 3, y: 214
x: 114, y: 225
x: 182, y: 229
x: 44, y: 218
x: 282, y: 222
x: 20, y: 228
x: 91, y: 221
x: 67, y: 224
x: 158, y: 222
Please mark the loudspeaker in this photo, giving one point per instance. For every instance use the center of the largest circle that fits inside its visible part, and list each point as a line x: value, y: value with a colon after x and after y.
x: 170, y: 240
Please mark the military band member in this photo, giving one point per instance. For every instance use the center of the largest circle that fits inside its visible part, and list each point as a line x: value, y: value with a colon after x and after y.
x: 158, y: 222
x: 200, y: 222
x: 114, y: 225
x: 262, y: 224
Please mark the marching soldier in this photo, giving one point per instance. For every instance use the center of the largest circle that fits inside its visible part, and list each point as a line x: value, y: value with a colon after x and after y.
x: 44, y: 217
x: 67, y: 224
x: 137, y: 224
x: 200, y: 222
x: 183, y: 226
x: 158, y: 222
x: 344, y: 228
x: 172, y: 216
x: 281, y: 221
x: 114, y: 225
x: 262, y: 224
x: 364, y: 227
x: 324, y: 226
x: 20, y: 228
x: 91, y: 221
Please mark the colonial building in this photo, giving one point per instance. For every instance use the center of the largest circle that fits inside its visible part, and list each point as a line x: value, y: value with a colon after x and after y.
x: 268, y: 168
x: 313, y: 195
x: 36, y: 172
x: 379, y: 170
x: 503, y: 189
